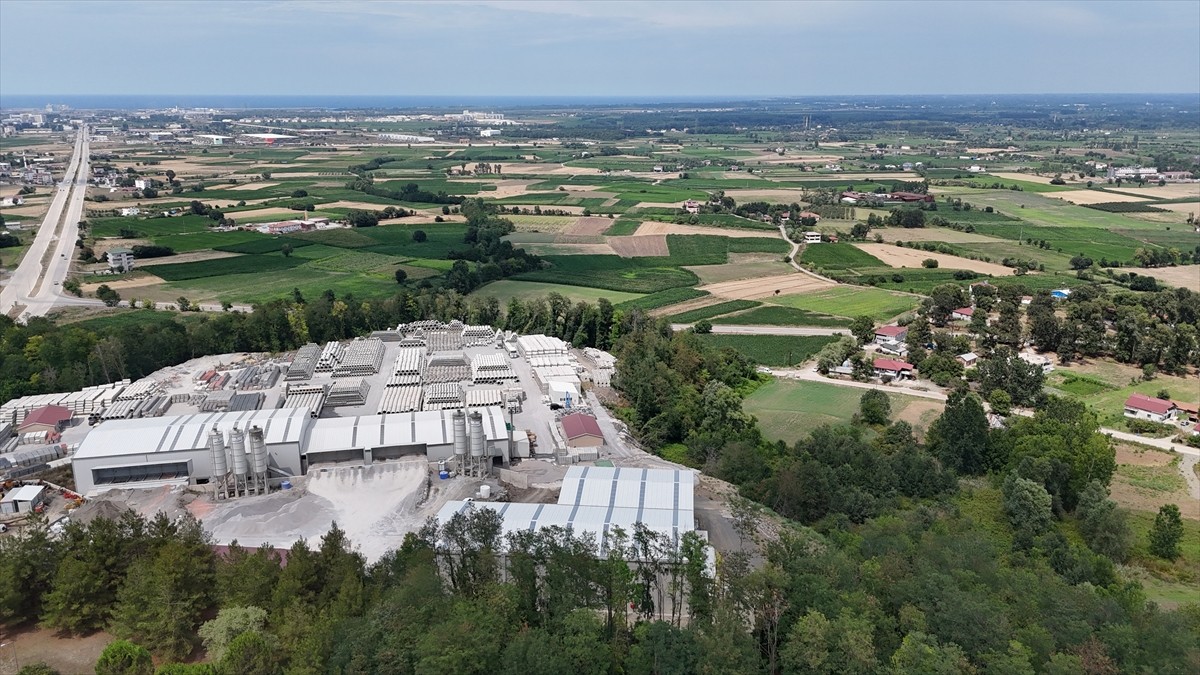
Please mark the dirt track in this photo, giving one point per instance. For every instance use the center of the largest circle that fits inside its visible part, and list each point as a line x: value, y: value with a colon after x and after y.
x: 764, y: 287
x: 911, y: 257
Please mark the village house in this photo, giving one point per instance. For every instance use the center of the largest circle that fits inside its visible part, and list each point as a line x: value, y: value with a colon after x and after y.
x: 1142, y: 407
x: 963, y: 314
x: 890, y: 369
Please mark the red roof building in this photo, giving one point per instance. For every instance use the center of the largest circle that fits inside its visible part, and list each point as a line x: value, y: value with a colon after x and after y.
x: 582, y: 431
x: 891, y: 332
x: 963, y: 313
x: 893, y: 367
x: 1144, y: 407
x: 45, y: 418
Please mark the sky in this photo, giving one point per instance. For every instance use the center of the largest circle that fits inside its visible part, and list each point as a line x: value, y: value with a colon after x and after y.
x: 597, y: 48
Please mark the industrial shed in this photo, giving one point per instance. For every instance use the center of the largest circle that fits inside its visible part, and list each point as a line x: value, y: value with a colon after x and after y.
x: 43, y: 419
x: 582, y: 431
x: 23, y: 500
x: 597, y: 499
x: 175, y: 450
x: 388, y: 436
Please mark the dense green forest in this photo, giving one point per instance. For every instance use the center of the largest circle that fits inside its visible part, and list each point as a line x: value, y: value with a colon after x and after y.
x: 979, y: 551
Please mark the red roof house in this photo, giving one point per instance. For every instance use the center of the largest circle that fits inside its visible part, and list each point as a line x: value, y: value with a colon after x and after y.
x: 893, y: 368
x: 45, y: 418
x: 582, y: 430
x: 893, y: 333
x: 1144, y: 407
x: 963, y: 313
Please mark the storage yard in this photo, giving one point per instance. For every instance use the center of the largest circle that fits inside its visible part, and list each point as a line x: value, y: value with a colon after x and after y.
x: 377, y: 435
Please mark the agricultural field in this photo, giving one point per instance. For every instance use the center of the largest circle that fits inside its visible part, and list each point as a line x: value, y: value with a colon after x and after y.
x: 1104, y: 385
x: 788, y: 410
x: 774, y: 315
x: 852, y: 301
x: 712, y: 311
x: 771, y: 350
x: 838, y: 257
x: 507, y: 289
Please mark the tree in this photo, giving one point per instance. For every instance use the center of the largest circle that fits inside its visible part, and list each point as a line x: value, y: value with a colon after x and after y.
x: 1027, y: 504
x: 875, y: 407
x: 358, y: 218
x: 401, y: 275
x: 702, y: 327
x: 1166, y: 532
x: 929, y: 263
x: 230, y: 622
x: 286, y: 250
x: 1000, y: 402
x: 419, y: 236
x: 249, y: 654
x: 299, y: 194
x: 122, y: 657
x: 863, y: 328
x: 921, y: 653
x: 108, y: 295
x: 959, y: 437
x: 1104, y: 527
x: 170, y: 175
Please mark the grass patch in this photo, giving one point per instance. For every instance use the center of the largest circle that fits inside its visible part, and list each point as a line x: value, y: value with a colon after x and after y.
x: 623, y: 227
x: 342, y: 238
x: 708, y: 249
x: 1154, y: 478
x: 671, y: 296
x: 1079, y: 385
x: 838, y: 256
x: 773, y: 315
x: 507, y: 289
x: 264, y: 245
x: 713, y: 310
x: 771, y: 350
x: 242, y: 264
x: 851, y: 301
x: 788, y: 410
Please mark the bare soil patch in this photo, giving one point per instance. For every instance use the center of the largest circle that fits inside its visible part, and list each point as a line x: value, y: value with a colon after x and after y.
x: 1145, y: 480
x: 1184, y: 276
x: 891, y: 234
x: 550, y: 169
x: 763, y: 287
x: 569, y: 249
x: 286, y: 214
x: 121, y: 284
x: 640, y: 246
x: 1030, y: 177
x: 1182, y: 207
x: 191, y: 256
x: 655, y: 227
x: 909, y: 257
x: 740, y: 266
x: 65, y: 654
x: 1168, y: 191
x: 252, y: 186
x: 920, y: 413
x: 589, y: 225
x: 105, y: 245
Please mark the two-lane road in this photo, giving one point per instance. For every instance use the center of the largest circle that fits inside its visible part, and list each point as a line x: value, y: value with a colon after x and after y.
x: 37, y: 281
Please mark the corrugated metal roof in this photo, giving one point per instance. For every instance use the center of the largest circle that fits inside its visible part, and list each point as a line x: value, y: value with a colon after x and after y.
x: 428, y: 427
x: 188, y: 432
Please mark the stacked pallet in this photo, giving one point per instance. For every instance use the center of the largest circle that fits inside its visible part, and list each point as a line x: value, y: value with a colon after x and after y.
x: 348, y: 392
x: 304, y: 364
x: 330, y: 357
x: 443, y: 341
x: 362, y: 357
x: 443, y: 396
x: 401, y: 400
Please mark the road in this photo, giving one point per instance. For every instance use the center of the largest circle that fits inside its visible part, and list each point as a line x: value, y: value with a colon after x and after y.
x: 37, y: 281
x: 797, y: 331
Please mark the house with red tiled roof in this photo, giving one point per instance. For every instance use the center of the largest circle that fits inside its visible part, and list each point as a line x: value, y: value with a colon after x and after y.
x: 893, y: 369
x: 963, y: 314
x: 1142, y: 407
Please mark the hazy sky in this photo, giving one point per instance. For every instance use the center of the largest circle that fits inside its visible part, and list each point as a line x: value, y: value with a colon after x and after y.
x: 597, y: 48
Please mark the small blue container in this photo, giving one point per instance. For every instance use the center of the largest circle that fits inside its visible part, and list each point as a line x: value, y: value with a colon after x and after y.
x: 443, y: 475
x: 286, y: 485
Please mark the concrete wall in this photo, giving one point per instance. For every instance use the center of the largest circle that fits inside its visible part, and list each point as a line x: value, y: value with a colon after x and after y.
x: 514, y: 478
x: 585, y: 442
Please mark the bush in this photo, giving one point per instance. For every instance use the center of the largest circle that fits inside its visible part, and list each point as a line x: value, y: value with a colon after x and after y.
x: 122, y: 657
x: 419, y: 236
x: 703, y: 326
x: 929, y: 263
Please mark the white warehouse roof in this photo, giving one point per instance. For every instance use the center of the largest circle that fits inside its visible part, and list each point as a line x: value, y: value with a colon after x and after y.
x: 596, y: 499
x: 187, y: 432
x: 428, y: 427
x: 25, y: 493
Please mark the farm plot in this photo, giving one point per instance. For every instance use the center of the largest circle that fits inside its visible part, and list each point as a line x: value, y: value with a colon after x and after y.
x: 762, y: 287
x: 1184, y: 276
x: 569, y: 249
x: 897, y: 256
x: 663, y: 299
x: 357, y: 261
x: 631, y: 275
x: 838, y: 257
x: 774, y: 315
x: 710, y: 311
x: 533, y: 223
x: 242, y: 264
x: 655, y: 227
x: 640, y: 246
x: 507, y: 289
x: 771, y: 350
x: 589, y: 226
x: 788, y: 410
x: 1085, y: 197
x: 851, y: 301
x: 741, y: 266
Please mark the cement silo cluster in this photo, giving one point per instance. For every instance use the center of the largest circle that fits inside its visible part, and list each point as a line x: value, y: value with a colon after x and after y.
x: 470, y: 456
x: 238, y: 470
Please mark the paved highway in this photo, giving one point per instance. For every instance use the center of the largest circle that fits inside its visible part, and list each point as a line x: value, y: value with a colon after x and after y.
x: 36, y: 284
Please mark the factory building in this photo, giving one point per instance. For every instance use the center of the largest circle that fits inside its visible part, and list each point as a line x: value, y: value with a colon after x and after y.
x: 179, y: 450
x: 597, y: 499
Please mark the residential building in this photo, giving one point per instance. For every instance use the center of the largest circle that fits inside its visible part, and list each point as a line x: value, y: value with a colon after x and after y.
x: 120, y: 259
x: 963, y: 314
x: 812, y: 237
x: 1037, y: 360
x: 890, y: 369
x: 1142, y: 407
x: 892, y: 339
x: 691, y: 206
x: 143, y: 183
x: 968, y: 360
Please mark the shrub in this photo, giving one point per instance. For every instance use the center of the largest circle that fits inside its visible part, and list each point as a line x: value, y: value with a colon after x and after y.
x: 929, y: 263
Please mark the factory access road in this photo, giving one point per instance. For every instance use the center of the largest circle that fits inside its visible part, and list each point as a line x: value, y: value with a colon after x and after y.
x: 37, y: 281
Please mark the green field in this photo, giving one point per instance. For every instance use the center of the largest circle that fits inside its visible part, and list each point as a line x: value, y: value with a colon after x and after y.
x: 1104, y: 387
x: 670, y: 296
x: 507, y: 289
x: 220, y: 267
x: 851, y: 301
x: 707, y: 249
x: 838, y: 257
x: 788, y: 410
x: 773, y: 315
x: 713, y: 311
x: 771, y: 350
x: 629, y: 275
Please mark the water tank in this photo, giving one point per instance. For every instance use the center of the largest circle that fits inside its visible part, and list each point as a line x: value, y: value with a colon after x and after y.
x: 476, y: 435
x: 460, y: 432
x: 258, y: 450
x: 485, y: 491
x: 237, y: 450
x: 216, y: 446
x: 443, y: 475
